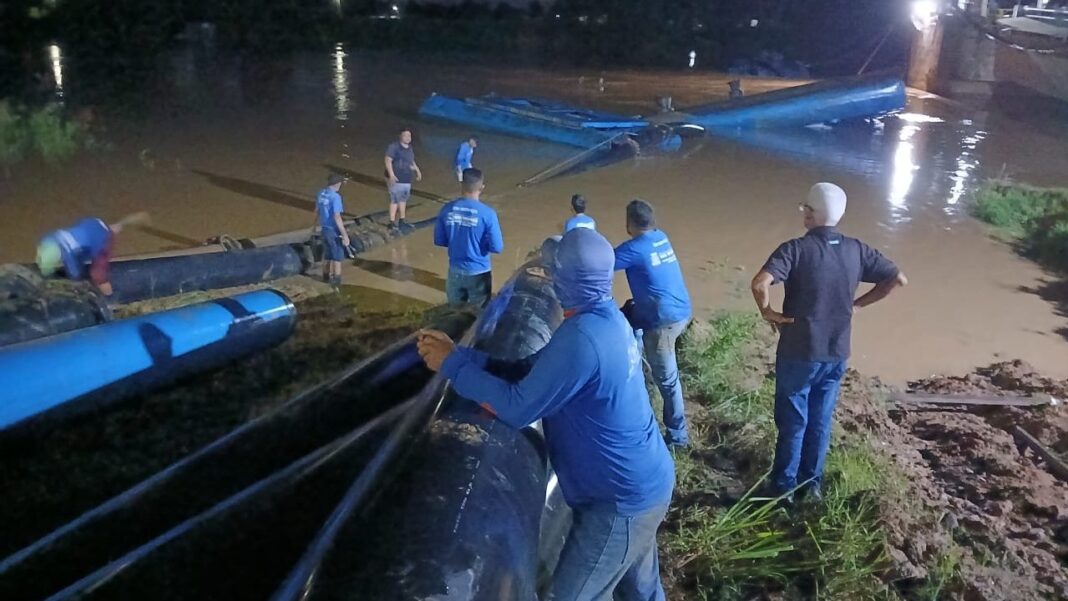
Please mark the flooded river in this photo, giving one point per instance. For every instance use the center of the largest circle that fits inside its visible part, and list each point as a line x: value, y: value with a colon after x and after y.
x: 225, y: 149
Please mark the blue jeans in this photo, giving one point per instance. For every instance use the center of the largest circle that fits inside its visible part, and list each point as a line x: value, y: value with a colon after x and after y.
x: 806, y: 393
x: 607, y: 553
x: 659, y: 346
x: 464, y: 289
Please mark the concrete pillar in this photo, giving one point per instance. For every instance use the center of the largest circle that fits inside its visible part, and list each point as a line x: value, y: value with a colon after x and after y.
x: 923, y: 61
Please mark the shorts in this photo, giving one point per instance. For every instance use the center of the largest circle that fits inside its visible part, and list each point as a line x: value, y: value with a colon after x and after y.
x: 332, y: 249
x: 399, y: 193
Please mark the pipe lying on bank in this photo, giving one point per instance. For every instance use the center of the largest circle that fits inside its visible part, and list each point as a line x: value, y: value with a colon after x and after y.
x: 252, y: 451
x: 70, y: 371
x: 30, y: 308
x: 167, y: 276
x: 467, y: 520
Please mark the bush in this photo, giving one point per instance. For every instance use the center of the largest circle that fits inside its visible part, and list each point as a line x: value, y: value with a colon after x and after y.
x: 14, y: 137
x: 45, y: 131
x: 1036, y: 217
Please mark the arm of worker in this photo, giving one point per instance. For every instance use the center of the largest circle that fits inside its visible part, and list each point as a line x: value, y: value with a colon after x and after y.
x: 553, y: 381
x: 418, y: 172
x: 389, y: 170
x: 341, y: 228
x: 626, y: 256
x: 776, y: 269
x: 100, y: 268
x: 492, y: 238
x: 877, y: 269
x: 441, y: 233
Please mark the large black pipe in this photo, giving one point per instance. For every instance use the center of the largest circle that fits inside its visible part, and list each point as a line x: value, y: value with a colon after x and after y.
x: 462, y: 521
x: 31, y: 310
x: 167, y: 276
x: 252, y: 451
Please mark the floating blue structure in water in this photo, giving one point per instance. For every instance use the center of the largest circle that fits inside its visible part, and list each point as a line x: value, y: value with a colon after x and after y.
x: 66, y: 372
x: 822, y: 102
x: 530, y: 118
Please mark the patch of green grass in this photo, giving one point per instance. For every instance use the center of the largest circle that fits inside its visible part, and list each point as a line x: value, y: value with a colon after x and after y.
x: 833, y: 551
x: 44, y: 131
x: 943, y: 577
x: 1037, y: 217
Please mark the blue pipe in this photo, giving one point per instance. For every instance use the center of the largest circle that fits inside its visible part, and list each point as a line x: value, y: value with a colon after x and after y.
x: 66, y: 372
x: 820, y: 102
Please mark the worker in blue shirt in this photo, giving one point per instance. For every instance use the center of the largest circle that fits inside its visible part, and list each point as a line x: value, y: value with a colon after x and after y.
x: 660, y: 310
x: 821, y: 271
x: 586, y: 386
x: 464, y: 156
x: 581, y: 219
x: 328, y: 209
x: 83, y: 250
x: 471, y: 232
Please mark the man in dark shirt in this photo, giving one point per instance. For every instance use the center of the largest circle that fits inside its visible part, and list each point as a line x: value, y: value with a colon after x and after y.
x: 822, y: 271
x: 400, y: 167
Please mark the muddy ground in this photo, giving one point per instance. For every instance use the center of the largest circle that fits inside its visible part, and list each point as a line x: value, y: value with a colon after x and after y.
x: 971, y: 492
x: 60, y: 472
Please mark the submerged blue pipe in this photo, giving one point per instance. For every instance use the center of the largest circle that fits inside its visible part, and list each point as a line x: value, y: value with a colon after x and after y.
x: 64, y: 372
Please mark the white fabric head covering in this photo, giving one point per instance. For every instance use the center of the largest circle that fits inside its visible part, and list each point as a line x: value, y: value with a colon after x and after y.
x: 828, y: 203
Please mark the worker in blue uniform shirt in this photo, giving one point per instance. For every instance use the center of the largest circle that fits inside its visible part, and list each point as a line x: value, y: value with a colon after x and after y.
x: 660, y: 310
x: 83, y: 250
x: 821, y: 271
x: 328, y: 209
x: 586, y: 386
x: 464, y: 156
x: 581, y: 219
x: 471, y: 232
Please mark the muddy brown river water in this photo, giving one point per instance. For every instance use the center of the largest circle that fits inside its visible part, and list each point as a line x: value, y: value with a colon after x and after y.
x: 221, y: 152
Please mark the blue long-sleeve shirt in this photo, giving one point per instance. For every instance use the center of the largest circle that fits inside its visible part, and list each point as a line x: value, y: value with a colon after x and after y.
x: 81, y: 243
x: 655, y: 278
x: 587, y: 387
x: 464, y: 156
x: 471, y: 232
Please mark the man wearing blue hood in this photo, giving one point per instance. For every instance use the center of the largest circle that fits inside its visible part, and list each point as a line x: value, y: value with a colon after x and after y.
x: 587, y: 387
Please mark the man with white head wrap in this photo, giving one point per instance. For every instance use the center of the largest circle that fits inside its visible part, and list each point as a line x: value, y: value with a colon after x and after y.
x: 821, y: 271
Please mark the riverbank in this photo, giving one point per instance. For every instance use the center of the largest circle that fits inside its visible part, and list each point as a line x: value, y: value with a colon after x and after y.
x: 919, y: 504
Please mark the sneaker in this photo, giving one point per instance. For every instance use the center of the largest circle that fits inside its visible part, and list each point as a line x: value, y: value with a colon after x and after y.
x: 810, y: 496
x: 336, y: 282
x: 393, y: 226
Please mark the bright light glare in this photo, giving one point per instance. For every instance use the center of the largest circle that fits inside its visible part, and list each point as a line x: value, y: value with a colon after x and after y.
x: 904, y: 169
x: 56, y: 56
x: 924, y: 13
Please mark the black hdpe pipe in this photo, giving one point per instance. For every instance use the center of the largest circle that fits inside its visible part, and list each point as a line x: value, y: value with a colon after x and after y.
x: 318, y: 413
x: 466, y: 516
x: 107, y: 582
x: 28, y: 312
x: 46, y: 314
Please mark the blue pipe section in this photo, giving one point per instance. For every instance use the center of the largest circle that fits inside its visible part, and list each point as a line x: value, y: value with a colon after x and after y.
x: 820, y: 102
x: 60, y: 373
x: 529, y: 123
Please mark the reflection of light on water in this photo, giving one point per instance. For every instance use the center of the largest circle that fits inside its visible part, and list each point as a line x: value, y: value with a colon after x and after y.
x: 904, y: 168
x: 341, y: 84
x: 693, y: 58
x: 56, y: 55
x: 919, y: 118
x: 966, y: 163
x: 337, y: 6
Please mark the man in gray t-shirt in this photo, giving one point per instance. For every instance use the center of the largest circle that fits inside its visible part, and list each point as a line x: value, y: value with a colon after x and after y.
x: 400, y: 167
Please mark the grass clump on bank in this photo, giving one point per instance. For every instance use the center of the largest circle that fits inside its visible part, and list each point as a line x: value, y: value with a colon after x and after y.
x: 43, y: 131
x: 1036, y: 217
x: 724, y: 542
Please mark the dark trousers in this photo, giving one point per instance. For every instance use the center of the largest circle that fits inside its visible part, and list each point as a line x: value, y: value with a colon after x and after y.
x: 464, y: 289
x: 806, y: 393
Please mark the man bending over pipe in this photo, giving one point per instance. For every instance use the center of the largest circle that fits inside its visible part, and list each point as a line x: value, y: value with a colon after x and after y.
x: 587, y: 387
x: 822, y: 271
x: 84, y: 249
